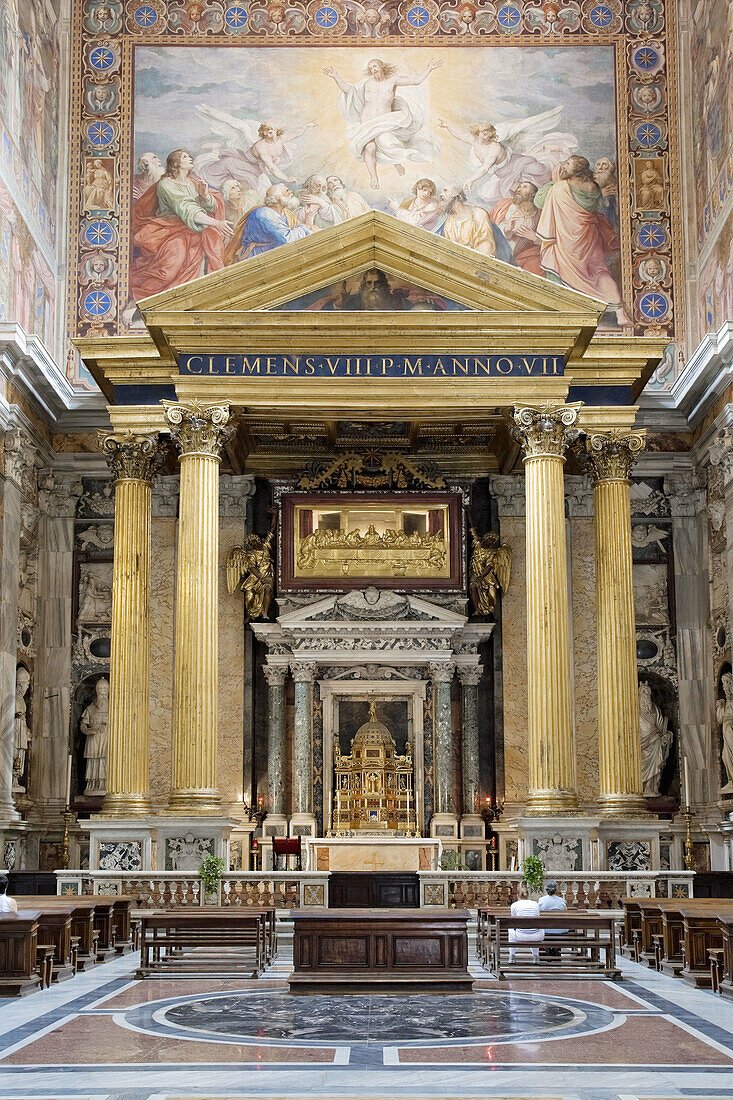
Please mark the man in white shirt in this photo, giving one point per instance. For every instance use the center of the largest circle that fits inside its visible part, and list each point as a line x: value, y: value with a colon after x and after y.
x: 524, y: 907
x: 552, y: 902
x: 7, y: 905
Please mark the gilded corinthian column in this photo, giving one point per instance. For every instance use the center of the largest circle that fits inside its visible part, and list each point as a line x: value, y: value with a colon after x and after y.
x: 544, y: 432
x: 199, y: 431
x: 133, y: 460
x: 610, y: 458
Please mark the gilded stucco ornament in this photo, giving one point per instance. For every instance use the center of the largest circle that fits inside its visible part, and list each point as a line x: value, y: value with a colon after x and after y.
x: 546, y: 428
x: 611, y: 455
x: 197, y: 428
x: 131, y: 456
x: 489, y: 571
x: 250, y: 567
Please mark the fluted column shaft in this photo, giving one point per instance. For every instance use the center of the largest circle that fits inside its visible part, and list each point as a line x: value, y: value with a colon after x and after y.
x: 469, y: 678
x: 199, y: 431
x: 133, y: 459
x: 441, y: 675
x: 275, y: 738
x: 544, y: 432
x: 303, y: 674
x: 610, y: 458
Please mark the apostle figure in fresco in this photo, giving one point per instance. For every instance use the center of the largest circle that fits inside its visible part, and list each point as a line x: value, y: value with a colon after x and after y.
x: 315, y: 194
x: 575, y: 237
x: 422, y: 208
x: 267, y: 226
x: 148, y: 171
x: 517, y: 218
x: 604, y: 173
x: 472, y: 227
x: 382, y: 125
x: 350, y: 203
x: 178, y: 230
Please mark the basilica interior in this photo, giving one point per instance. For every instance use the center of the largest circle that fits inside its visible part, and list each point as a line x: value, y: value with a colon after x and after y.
x: 366, y: 400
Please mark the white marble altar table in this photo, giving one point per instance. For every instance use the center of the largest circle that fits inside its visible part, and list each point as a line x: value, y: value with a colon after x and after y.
x: 372, y: 853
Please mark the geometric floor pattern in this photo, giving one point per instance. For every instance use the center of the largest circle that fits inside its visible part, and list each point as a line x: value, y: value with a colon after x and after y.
x: 104, y: 1036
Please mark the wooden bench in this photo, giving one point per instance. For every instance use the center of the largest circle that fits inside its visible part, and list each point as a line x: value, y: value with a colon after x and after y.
x: 725, y: 922
x: 587, y: 947
x: 122, y: 924
x: 188, y: 943
x: 19, y: 953
x: 54, y: 927
x: 82, y: 922
x: 702, y: 932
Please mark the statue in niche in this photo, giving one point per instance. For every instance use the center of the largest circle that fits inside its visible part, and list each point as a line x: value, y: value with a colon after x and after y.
x: 489, y: 571
x: 250, y: 568
x: 93, y: 725
x: 656, y: 741
x: 95, y: 598
x: 22, y: 733
x: 27, y: 575
x: 724, y: 715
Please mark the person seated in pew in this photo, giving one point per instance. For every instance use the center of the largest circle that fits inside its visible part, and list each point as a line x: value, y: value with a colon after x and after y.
x: 552, y: 902
x: 525, y: 907
x: 7, y: 904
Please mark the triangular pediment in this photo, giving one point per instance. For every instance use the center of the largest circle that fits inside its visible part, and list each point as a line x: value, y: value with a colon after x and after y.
x: 371, y: 605
x: 404, y: 252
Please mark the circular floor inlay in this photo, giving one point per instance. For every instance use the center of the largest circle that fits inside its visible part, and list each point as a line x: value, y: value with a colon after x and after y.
x: 319, y: 1020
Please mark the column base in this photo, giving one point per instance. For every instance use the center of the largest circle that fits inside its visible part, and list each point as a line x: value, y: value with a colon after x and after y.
x: 275, y: 825
x: 125, y: 805
x: 444, y: 826
x: 194, y: 802
x: 622, y: 805
x: 302, y: 825
x: 541, y: 803
x: 8, y: 812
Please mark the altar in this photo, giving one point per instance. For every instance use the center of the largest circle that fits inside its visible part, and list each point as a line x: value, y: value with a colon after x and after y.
x: 371, y: 853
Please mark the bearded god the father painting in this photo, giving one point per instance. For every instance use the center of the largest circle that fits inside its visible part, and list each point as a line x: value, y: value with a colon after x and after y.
x: 510, y: 151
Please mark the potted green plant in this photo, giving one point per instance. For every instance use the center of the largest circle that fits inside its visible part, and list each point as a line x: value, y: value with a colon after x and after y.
x: 533, y: 873
x: 451, y: 861
x: 211, y: 870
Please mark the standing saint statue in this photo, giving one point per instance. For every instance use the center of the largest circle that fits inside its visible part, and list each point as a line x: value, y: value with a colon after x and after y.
x: 656, y: 741
x: 93, y: 725
x: 22, y: 733
x: 724, y: 715
x: 250, y: 568
x: 489, y: 571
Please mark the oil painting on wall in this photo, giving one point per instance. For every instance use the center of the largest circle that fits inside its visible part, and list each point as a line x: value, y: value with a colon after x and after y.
x: 239, y: 151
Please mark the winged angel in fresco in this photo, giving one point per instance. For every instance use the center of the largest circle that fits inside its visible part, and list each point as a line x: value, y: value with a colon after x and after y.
x: 490, y: 570
x: 257, y: 155
x: 250, y: 568
x: 504, y: 154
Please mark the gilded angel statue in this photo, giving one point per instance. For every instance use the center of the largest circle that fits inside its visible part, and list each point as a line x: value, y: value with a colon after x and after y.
x: 250, y: 568
x: 489, y: 571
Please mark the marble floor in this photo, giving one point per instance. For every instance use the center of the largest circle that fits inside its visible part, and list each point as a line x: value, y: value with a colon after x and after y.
x: 104, y: 1036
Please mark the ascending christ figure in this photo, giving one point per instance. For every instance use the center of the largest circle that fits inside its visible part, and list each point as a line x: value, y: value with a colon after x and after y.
x: 382, y: 126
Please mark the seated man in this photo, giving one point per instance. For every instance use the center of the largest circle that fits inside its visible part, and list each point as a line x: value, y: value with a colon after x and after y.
x: 524, y: 907
x: 7, y: 905
x: 551, y: 902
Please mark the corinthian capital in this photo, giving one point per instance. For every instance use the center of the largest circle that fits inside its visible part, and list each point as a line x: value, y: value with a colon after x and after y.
x: 545, y: 429
x: 131, y: 455
x: 197, y: 428
x: 611, y: 455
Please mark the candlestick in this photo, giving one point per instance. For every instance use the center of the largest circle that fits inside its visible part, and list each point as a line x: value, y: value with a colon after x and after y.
x: 338, y: 811
x: 688, y: 816
x: 68, y: 780
x: 687, y: 782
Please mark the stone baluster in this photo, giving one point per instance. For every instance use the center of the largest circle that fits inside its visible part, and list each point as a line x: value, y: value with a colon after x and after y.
x: 444, y: 822
x: 544, y: 432
x: 133, y: 460
x: 303, y: 819
x: 610, y: 458
x: 199, y: 431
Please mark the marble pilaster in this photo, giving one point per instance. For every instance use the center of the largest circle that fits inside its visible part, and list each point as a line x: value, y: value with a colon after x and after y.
x: 686, y: 494
x: 58, y: 498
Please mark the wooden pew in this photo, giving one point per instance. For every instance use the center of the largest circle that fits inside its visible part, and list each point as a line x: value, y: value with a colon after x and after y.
x: 189, y: 943
x: 702, y: 931
x: 54, y: 926
x: 588, y: 935
x: 632, y: 928
x: 122, y: 921
x: 82, y: 922
x: 725, y: 921
x: 18, y: 953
